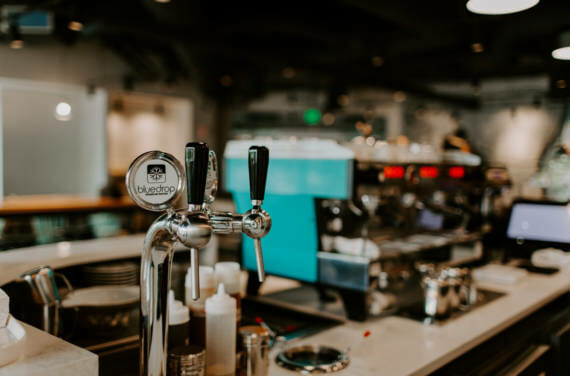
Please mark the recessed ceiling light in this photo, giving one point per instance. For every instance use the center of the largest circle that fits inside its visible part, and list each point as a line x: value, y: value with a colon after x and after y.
x: 162, y: 1
x: 343, y: 100
x: 226, y: 80
x: 499, y: 6
x: 17, y: 44
x: 563, y: 50
x: 399, y: 96
x: 377, y: 61
x: 562, y: 53
x: 63, y: 111
x: 477, y: 48
x: 75, y: 26
x: 288, y: 72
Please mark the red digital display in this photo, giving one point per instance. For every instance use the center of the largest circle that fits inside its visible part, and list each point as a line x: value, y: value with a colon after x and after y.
x: 394, y: 172
x: 428, y: 172
x: 457, y: 172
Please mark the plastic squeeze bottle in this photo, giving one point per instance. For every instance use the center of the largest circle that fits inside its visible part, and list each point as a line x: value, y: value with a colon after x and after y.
x: 220, y: 334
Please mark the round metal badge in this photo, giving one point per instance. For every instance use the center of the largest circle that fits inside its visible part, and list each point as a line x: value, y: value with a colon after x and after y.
x: 155, y: 180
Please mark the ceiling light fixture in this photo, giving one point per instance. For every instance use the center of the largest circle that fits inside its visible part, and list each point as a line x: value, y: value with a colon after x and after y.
x: 377, y: 61
x: 17, y: 44
x: 288, y: 72
x: 399, y: 96
x: 75, y: 26
x: 226, y: 80
x: 63, y: 111
x: 343, y: 100
x: 477, y: 47
x: 563, y: 50
x: 495, y: 7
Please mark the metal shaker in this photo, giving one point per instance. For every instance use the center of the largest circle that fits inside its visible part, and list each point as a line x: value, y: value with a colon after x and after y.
x: 469, y: 290
x: 436, y: 296
x: 45, y: 292
x: 255, y: 342
x: 187, y: 361
x: 455, y: 277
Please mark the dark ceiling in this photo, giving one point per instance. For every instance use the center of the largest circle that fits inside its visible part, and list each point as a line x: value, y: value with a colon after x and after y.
x: 328, y: 44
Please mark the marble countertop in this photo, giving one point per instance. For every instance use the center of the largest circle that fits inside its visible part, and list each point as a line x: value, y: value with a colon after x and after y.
x: 399, y: 346
x: 58, y: 255
x: 396, y: 346
x: 46, y: 355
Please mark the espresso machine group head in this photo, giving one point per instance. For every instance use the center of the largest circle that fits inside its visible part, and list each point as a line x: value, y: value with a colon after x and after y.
x: 155, y: 181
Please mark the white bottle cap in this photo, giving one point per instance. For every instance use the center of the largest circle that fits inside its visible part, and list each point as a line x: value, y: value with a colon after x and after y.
x: 221, y: 303
x: 178, y: 313
x: 4, y: 308
x: 207, y: 277
x: 228, y: 273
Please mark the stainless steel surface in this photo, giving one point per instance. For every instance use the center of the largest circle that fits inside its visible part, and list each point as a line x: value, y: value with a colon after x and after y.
x: 259, y: 260
x: 226, y: 222
x: 416, y: 312
x: 45, y: 292
x: 132, y: 186
x: 454, y: 291
x: 312, y: 359
x: 255, y: 341
x: 212, y: 178
x: 256, y: 224
x: 436, y: 297
x: 156, y: 262
x: 193, y: 227
x: 187, y: 361
x: 464, y: 287
x: 447, y: 290
x: 194, y: 268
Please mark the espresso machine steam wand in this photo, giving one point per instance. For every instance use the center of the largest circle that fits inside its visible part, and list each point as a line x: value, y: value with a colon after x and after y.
x: 155, y: 181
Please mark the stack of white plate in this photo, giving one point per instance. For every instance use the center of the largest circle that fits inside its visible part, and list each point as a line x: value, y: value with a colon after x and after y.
x: 111, y: 274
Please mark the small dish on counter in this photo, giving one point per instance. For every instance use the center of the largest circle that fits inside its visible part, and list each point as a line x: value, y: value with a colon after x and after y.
x: 312, y: 359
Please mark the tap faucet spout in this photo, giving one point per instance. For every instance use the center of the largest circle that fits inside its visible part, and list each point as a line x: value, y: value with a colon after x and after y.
x: 155, y: 181
x: 156, y: 263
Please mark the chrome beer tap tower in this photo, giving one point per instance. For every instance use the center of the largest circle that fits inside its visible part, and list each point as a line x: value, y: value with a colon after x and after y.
x: 155, y: 181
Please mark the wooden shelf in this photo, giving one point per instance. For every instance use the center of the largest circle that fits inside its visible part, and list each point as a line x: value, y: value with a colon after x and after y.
x: 43, y: 204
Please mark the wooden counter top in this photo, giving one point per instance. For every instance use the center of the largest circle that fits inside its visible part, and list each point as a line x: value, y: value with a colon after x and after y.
x: 42, y: 204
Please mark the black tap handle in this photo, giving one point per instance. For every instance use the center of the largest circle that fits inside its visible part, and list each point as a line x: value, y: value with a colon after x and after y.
x: 196, y: 156
x: 258, y: 160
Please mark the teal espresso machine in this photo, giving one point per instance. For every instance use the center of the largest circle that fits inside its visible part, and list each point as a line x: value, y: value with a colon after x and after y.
x: 300, y: 172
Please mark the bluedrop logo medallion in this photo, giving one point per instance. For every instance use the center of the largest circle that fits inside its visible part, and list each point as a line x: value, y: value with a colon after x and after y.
x: 156, y: 173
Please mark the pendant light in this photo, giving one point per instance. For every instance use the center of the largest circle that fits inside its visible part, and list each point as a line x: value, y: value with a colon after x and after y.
x: 495, y: 7
x: 563, y: 50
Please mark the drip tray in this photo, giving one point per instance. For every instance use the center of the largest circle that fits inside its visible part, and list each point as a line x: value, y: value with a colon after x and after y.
x: 416, y: 311
x: 312, y: 359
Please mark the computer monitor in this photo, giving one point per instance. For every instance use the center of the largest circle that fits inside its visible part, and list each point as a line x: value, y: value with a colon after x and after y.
x: 538, y: 224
